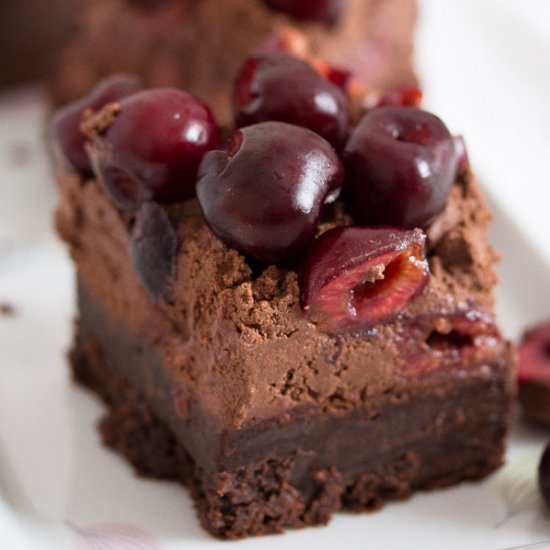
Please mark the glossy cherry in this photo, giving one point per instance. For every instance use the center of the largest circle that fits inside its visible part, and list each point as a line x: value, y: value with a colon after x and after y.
x: 277, y: 86
x: 400, y: 166
x: 264, y: 195
x: 65, y: 125
x: 153, y: 147
x: 320, y: 10
x: 356, y: 277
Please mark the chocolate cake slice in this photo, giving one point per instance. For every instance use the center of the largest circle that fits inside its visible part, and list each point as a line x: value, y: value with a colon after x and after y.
x: 217, y: 374
x: 296, y: 320
x: 199, y: 46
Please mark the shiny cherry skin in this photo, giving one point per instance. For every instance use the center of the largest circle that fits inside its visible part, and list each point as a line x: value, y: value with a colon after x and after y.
x: 65, y: 125
x: 264, y: 195
x: 278, y: 86
x: 357, y: 277
x: 400, y: 164
x: 316, y: 10
x: 153, y: 147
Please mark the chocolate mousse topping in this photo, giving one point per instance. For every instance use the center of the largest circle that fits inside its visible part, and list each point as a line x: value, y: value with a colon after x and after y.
x: 217, y: 298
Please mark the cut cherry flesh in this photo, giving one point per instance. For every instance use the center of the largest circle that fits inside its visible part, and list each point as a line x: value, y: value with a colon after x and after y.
x: 356, y: 277
x: 65, y: 125
x: 277, y: 86
x: 544, y: 474
x: 153, y: 250
x: 317, y: 10
x: 152, y: 149
x: 400, y: 166
x: 464, y: 327
x: 264, y: 195
x: 534, y: 356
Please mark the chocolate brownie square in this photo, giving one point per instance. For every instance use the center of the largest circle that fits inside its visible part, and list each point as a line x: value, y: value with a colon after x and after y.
x: 270, y: 422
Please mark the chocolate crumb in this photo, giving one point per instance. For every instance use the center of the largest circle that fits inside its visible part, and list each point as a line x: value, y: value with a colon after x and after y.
x: 7, y: 309
x: 96, y: 122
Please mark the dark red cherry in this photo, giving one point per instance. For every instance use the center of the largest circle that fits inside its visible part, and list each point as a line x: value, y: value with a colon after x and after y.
x: 400, y: 166
x: 153, y: 147
x: 534, y: 374
x: 544, y: 474
x: 263, y: 196
x: 65, y: 125
x: 319, y: 10
x: 277, y: 86
x: 153, y: 250
x: 356, y: 277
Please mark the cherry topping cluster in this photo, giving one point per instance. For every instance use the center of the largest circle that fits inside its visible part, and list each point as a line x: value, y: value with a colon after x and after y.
x: 265, y: 192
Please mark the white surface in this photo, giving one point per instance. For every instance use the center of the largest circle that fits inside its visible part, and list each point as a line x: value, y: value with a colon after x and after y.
x: 486, y: 70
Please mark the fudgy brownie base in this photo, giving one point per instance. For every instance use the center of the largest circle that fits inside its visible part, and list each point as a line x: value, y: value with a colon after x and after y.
x: 295, y: 476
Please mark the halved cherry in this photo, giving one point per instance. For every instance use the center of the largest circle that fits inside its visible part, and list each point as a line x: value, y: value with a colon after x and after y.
x: 356, y: 277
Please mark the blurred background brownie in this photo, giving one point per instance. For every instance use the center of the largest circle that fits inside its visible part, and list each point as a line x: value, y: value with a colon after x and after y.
x: 32, y: 34
x: 199, y: 46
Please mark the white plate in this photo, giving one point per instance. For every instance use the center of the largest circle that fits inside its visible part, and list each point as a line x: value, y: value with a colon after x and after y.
x: 59, y: 489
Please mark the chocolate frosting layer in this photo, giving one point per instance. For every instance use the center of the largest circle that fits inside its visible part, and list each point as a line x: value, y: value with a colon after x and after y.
x: 200, y: 46
x: 237, y: 340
